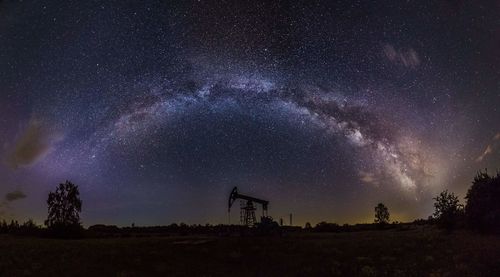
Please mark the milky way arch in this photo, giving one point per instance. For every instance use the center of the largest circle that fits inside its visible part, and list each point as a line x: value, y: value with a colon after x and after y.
x: 388, y: 153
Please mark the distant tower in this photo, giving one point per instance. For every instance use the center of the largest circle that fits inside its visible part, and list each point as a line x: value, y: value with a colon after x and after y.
x: 281, y: 221
x: 290, y: 219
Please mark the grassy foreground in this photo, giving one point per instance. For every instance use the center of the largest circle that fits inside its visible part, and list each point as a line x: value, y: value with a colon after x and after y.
x: 416, y: 252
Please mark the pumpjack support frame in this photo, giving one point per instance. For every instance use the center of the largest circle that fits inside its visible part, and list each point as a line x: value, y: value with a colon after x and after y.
x: 247, y: 212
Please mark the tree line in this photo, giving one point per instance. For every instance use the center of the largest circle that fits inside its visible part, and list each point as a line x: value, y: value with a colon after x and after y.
x: 481, y: 212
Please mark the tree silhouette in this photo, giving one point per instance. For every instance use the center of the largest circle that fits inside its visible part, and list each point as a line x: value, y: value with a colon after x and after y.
x: 448, y: 209
x: 64, y: 207
x: 381, y: 214
x: 482, y: 210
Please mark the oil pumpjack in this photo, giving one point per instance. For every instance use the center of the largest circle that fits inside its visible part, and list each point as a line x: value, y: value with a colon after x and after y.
x: 247, y: 210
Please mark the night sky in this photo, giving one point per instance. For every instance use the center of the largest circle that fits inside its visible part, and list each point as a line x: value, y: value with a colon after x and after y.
x: 157, y: 109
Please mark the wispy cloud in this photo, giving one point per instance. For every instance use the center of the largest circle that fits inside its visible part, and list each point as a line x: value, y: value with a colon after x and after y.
x: 15, y: 195
x: 369, y: 178
x: 490, y: 148
x: 406, y: 57
x: 9, y: 198
x: 485, y: 153
x: 35, y: 142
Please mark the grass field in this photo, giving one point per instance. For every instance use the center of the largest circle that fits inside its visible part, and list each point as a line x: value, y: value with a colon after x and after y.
x: 415, y: 252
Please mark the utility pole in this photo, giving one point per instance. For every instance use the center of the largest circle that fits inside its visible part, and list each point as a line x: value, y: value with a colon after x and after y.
x: 290, y: 219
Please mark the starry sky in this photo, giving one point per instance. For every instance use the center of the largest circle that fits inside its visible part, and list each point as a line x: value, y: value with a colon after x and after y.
x: 157, y: 109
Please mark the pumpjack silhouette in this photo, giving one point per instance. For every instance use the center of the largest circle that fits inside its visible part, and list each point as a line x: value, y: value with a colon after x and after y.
x: 247, y: 210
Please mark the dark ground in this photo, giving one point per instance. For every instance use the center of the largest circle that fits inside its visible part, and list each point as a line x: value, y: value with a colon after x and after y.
x: 416, y: 252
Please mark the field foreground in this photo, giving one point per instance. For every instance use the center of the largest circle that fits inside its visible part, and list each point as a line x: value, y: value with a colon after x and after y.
x: 415, y: 252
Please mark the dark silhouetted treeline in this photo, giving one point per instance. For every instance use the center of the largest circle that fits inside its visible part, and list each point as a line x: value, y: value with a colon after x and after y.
x: 481, y: 213
x: 28, y: 228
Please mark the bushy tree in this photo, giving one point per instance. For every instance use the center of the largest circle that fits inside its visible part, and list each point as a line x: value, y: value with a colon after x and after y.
x: 64, y: 207
x: 381, y: 214
x: 482, y: 210
x: 448, y: 210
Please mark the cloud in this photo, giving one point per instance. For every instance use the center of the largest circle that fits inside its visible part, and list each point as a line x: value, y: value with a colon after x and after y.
x: 407, y: 58
x: 15, y: 195
x: 485, y: 153
x: 369, y: 178
x: 36, y: 141
x: 490, y: 148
